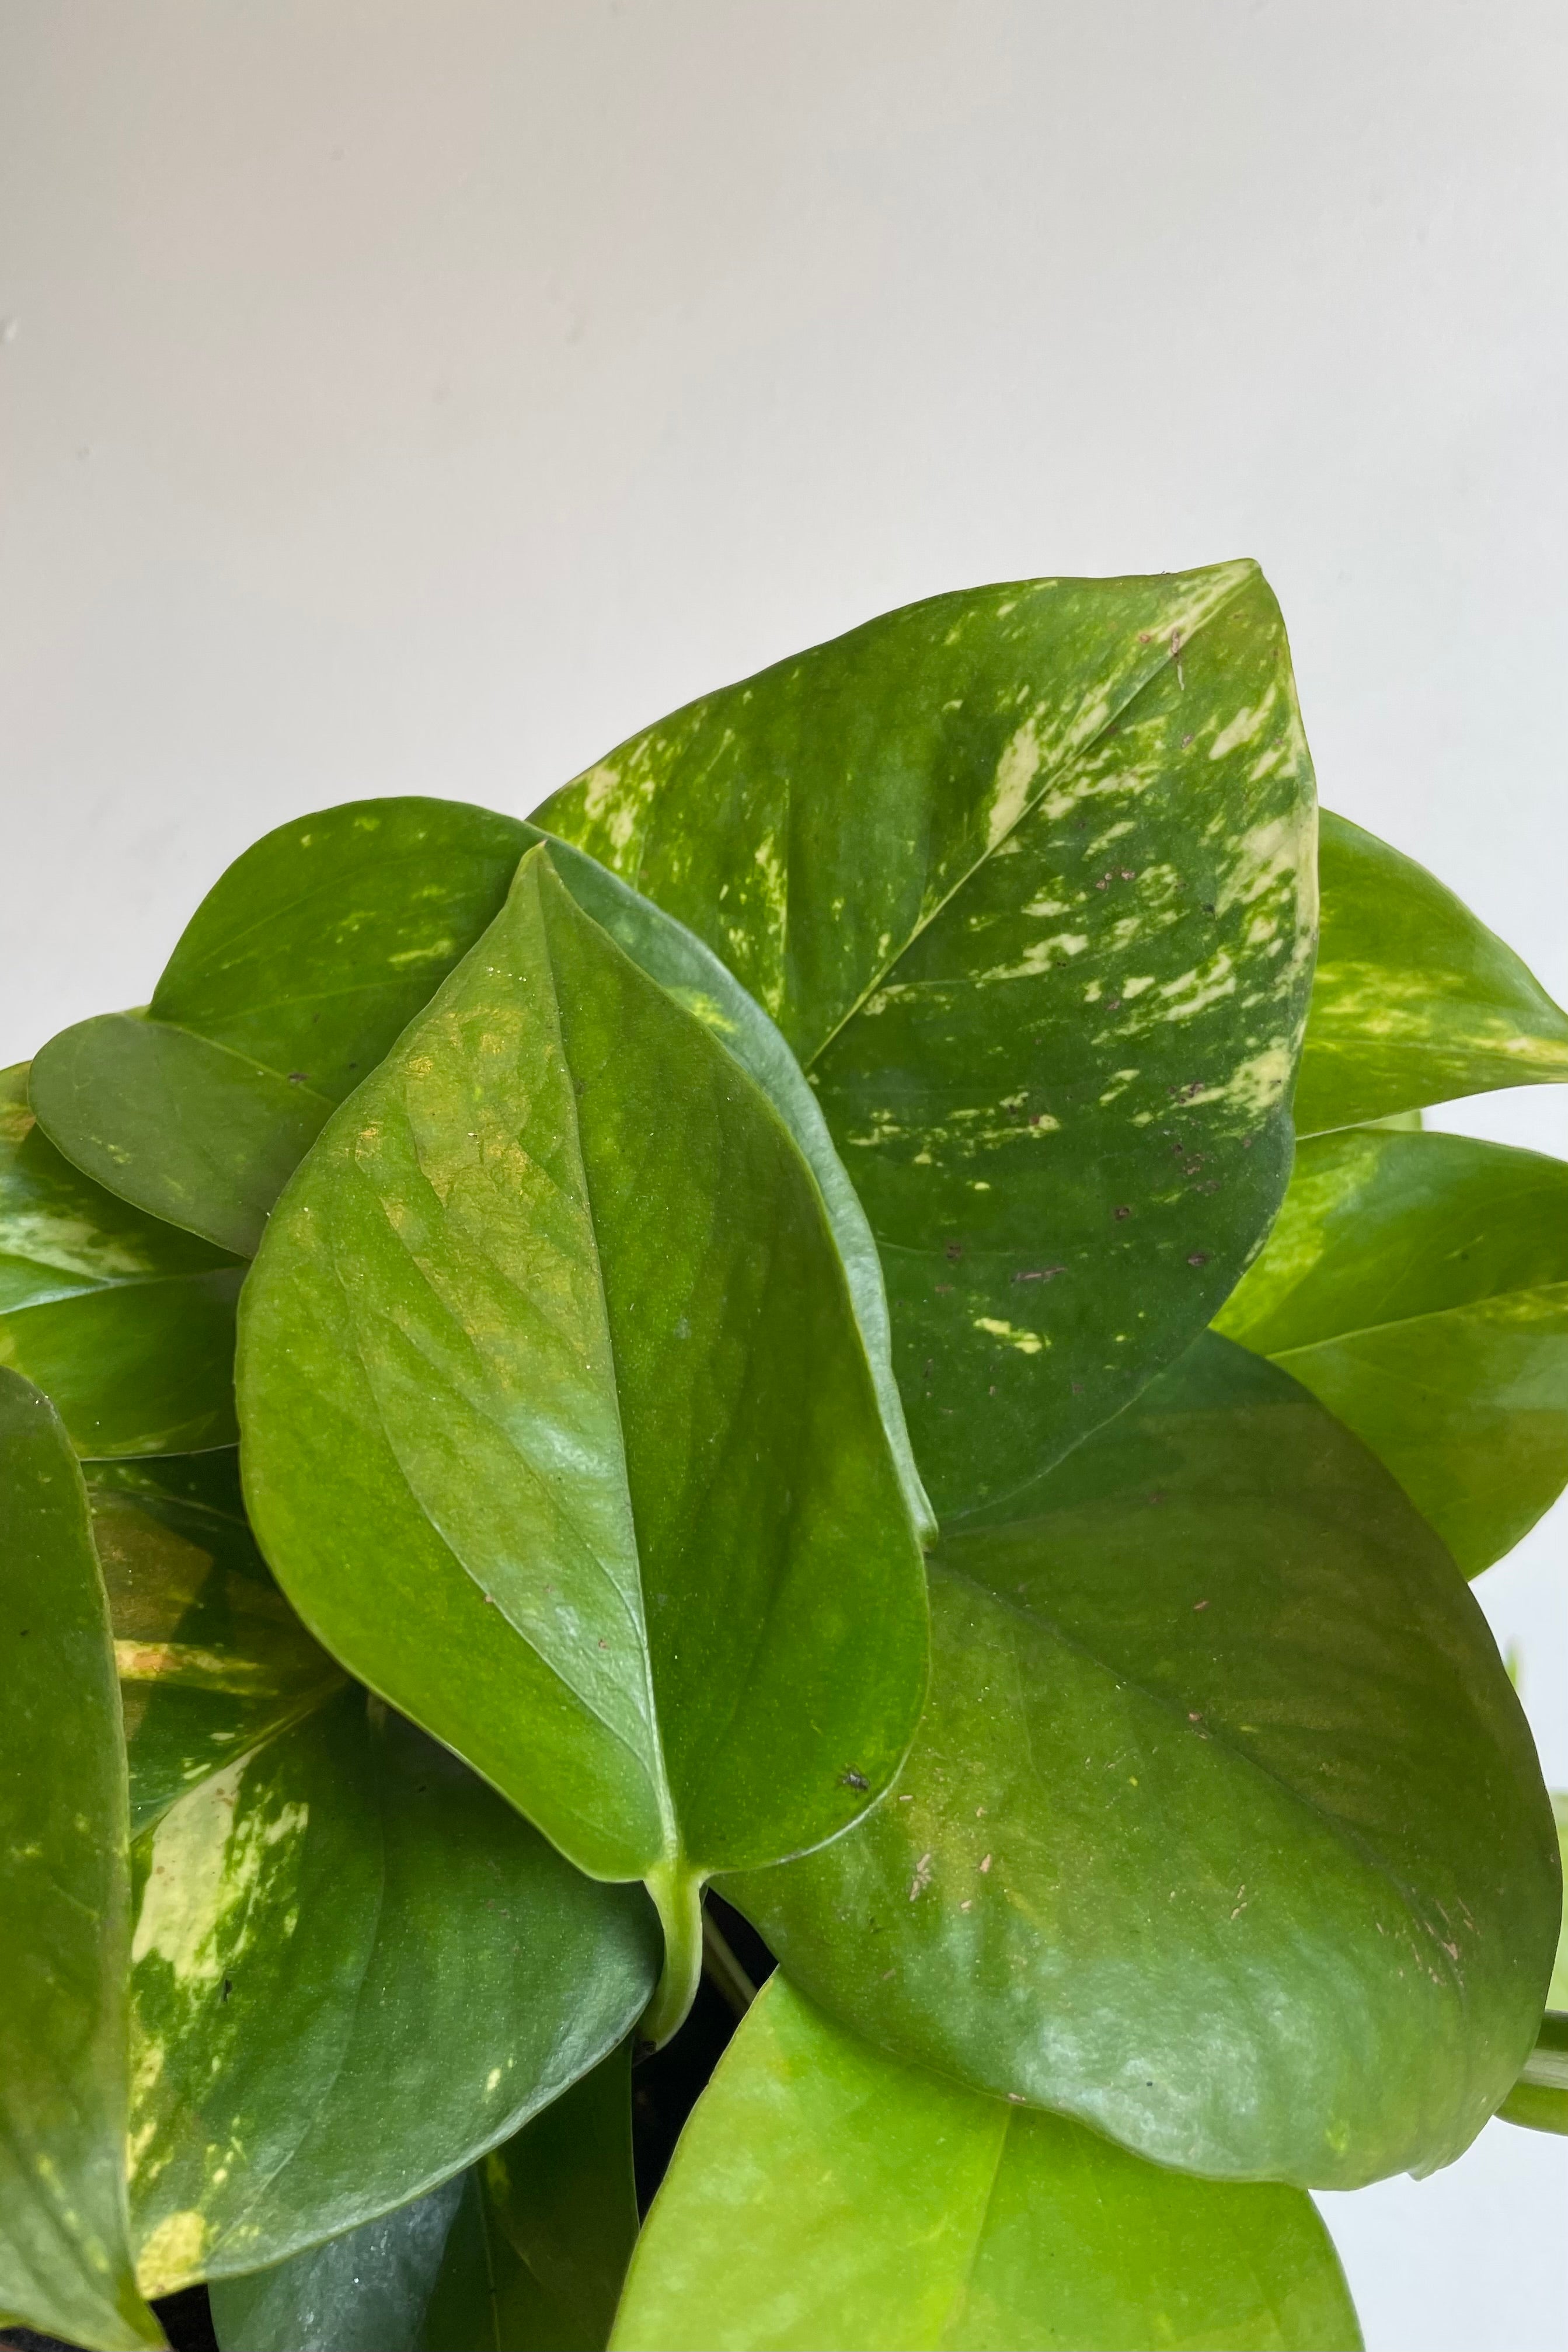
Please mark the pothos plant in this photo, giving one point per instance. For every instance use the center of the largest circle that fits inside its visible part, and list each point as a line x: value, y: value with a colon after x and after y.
x: 843, y: 1357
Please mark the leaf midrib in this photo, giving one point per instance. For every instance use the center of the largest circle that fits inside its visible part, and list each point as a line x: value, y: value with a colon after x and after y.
x: 1051, y: 777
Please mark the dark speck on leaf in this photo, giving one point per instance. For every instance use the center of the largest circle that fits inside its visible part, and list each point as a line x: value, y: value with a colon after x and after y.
x: 1208, y: 906
x: 227, y: 1988
x: 853, y: 1780
x: 1198, y: 1258
x: 1119, y: 1213
x: 954, y: 1251
x: 944, y: 1290
x: 298, y: 1077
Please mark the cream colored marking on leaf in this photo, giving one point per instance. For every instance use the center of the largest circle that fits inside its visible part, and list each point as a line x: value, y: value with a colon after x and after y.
x: 1028, y: 1343
x: 1016, y: 772
x: 1040, y: 956
x: 1245, y: 728
x: 1194, y: 992
x: 181, y: 1661
x: 1136, y: 986
x: 172, y: 2257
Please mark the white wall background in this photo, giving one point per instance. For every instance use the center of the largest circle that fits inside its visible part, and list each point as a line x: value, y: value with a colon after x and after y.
x: 417, y: 398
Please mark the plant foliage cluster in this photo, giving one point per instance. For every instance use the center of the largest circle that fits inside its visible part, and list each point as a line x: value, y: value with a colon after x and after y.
x: 846, y: 1318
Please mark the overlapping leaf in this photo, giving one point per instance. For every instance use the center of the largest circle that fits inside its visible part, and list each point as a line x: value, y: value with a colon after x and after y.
x: 125, y: 1323
x: 64, y: 2255
x: 355, y: 1968
x: 355, y: 1971
x: 1418, y: 1286
x: 212, y: 1660
x: 292, y: 979
x: 1224, y: 1830
x: 1025, y: 877
x: 560, y: 1432
x: 1414, y: 1001
x: 525, y: 2252
x: 824, y: 2193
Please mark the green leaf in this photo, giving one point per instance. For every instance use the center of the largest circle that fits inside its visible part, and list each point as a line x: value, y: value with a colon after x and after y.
x: 1224, y: 1830
x: 1024, y: 876
x: 126, y: 1324
x: 823, y: 2193
x: 560, y: 1434
x: 211, y: 1658
x: 64, y: 2255
x: 289, y: 982
x: 1418, y: 1286
x: 1538, y: 2100
x: 295, y: 976
x: 356, y: 1969
x: 526, y: 2250
x: 1414, y: 1001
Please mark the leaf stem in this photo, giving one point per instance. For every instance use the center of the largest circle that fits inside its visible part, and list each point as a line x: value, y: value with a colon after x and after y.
x: 722, y: 1969
x: 677, y: 1891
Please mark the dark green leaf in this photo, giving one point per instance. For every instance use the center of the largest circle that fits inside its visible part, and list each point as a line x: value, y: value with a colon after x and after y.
x: 559, y: 1430
x: 1224, y: 1830
x: 126, y: 1324
x: 212, y: 1659
x: 1414, y: 1001
x: 525, y: 2252
x: 1418, y: 1286
x: 1538, y: 2100
x: 1024, y: 875
x: 824, y: 2194
x: 355, y: 1971
x: 65, y: 2253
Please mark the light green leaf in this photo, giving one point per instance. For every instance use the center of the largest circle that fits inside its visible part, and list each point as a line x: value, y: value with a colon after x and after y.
x: 126, y: 1324
x: 1224, y: 1830
x: 64, y: 2255
x: 826, y: 2194
x: 559, y: 1430
x: 211, y: 1658
x: 1414, y: 1001
x: 1024, y: 875
x: 524, y: 2253
x: 1418, y: 1286
x: 295, y: 976
x: 1538, y: 2100
x: 356, y: 1969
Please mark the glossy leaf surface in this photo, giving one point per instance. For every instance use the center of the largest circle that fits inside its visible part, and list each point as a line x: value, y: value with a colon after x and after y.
x: 289, y: 982
x: 1418, y: 1286
x: 559, y: 1430
x: 125, y: 1323
x: 65, y: 2255
x: 211, y: 1658
x: 524, y: 2253
x: 1025, y: 877
x: 355, y: 1971
x: 1223, y: 1829
x: 824, y: 2193
x: 1414, y: 1001
x: 293, y: 979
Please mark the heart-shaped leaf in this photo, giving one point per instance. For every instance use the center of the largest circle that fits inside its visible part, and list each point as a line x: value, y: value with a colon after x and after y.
x: 560, y: 1432
x: 1025, y: 877
x: 1224, y: 1830
x: 355, y: 1971
x: 1414, y: 1001
x: 1418, y: 1286
x: 525, y: 2250
x: 293, y: 978
x: 65, y: 2253
x: 125, y: 1323
x: 824, y: 2193
x: 212, y: 1660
